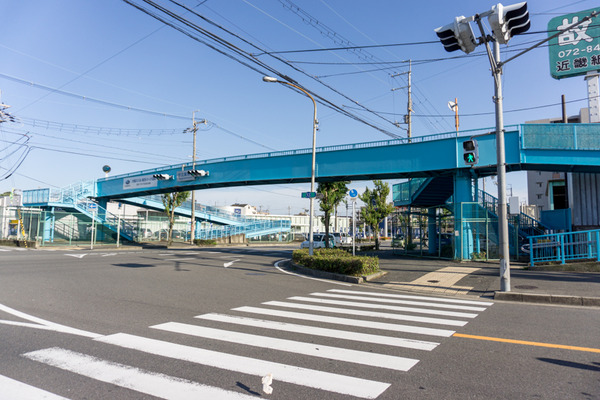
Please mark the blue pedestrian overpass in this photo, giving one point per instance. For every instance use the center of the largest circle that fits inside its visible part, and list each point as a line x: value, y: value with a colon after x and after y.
x: 545, y: 147
x: 437, y: 159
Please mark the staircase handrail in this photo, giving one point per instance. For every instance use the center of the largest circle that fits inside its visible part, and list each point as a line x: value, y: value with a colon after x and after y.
x: 491, y: 204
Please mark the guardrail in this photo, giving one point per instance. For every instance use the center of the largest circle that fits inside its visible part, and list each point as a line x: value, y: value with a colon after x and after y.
x: 582, y: 245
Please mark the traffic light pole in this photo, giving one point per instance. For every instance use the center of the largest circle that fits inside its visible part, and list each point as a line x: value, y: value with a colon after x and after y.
x: 501, y: 168
x: 500, y: 159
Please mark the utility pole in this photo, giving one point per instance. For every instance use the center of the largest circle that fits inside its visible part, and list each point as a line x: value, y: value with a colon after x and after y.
x: 193, y: 217
x: 409, y: 109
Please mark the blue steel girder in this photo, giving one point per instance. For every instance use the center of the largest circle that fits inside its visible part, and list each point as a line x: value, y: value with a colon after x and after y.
x: 425, y: 156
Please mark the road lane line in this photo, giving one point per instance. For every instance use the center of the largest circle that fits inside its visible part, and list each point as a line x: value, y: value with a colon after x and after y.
x: 309, y: 277
x: 151, y: 383
x: 347, y: 321
x: 47, y: 324
x: 325, y: 332
x: 357, y: 296
x: 385, y: 307
x: 309, y: 349
x: 12, y: 389
x: 373, y: 314
x: 342, y: 384
x: 527, y: 343
x: 406, y: 296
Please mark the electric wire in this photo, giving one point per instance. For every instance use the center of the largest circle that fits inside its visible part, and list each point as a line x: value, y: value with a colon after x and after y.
x: 247, y: 56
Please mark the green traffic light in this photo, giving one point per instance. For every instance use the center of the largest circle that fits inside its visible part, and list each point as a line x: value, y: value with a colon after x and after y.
x: 470, y: 158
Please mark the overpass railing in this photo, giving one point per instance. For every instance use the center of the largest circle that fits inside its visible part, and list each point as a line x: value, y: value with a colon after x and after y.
x: 560, y: 247
x: 403, y: 192
x: 560, y: 136
x: 341, y: 147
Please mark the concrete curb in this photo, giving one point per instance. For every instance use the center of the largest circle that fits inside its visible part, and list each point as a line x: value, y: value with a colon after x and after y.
x: 330, y: 275
x: 548, y: 299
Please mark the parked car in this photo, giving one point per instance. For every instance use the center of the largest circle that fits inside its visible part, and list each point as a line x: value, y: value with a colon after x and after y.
x: 163, y: 234
x: 145, y: 233
x: 318, y: 241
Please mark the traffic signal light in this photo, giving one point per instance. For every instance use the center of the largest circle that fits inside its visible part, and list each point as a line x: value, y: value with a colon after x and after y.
x: 457, y: 35
x: 198, y: 172
x: 162, y: 177
x: 508, y: 21
x: 470, y: 152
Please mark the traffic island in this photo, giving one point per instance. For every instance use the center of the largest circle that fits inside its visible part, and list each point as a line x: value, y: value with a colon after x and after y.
x: 336, y: 264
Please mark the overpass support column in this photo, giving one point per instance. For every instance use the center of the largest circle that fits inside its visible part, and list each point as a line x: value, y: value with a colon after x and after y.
x: 432, y: 228
x: 101, y: 220
x: 463, y: 203
x: 49, y: 220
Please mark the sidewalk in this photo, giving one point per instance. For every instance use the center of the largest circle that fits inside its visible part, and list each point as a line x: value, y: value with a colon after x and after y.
x: 446, y: 277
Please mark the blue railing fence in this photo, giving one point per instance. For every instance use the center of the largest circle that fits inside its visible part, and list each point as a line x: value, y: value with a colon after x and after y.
x: 562, y: 247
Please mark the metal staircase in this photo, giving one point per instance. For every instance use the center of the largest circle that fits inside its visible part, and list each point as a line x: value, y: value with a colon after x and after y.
x: 228, y: 224
x: 78, y: 197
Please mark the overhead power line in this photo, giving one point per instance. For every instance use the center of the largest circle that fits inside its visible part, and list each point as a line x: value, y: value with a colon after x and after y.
x: 247, y: 59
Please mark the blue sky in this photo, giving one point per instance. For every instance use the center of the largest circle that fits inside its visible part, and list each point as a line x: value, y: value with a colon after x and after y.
x: 73, y: 69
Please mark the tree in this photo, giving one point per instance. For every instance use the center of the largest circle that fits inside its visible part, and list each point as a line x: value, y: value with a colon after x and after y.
x: 171, y: 201
x: 376, y: 206
x: 333, y: 193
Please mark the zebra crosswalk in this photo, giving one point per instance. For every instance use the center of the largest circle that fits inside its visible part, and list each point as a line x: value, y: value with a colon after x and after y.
x: 331, y: 325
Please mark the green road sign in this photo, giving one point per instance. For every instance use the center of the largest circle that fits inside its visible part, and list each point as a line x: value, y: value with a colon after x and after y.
x: 576, y: 51
x: 309, y: 195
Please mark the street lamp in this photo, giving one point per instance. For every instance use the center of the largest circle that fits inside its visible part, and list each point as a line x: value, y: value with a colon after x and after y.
x: 312, y: 176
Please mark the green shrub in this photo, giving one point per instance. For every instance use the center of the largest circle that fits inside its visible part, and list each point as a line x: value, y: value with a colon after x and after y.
x: 205, y: 242
x: 337, y: 261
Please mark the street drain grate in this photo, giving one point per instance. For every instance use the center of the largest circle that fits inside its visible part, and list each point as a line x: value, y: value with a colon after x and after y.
x: 433, y: 281
x: 525, y: 287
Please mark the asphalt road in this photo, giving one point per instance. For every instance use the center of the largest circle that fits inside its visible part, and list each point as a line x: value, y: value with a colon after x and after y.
x: 193, y: 323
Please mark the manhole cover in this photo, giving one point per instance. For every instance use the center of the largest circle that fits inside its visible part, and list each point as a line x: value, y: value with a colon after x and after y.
x: 433, y: 281
x: 525, y: 287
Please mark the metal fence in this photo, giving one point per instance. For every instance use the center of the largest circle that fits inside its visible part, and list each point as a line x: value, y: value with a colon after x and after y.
x: 61, y: 228
x: 561, y: 247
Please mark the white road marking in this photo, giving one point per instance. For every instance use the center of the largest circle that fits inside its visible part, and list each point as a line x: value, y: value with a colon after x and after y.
x: 367, y: 313
x: 109, y: 254
x: 357, y: 297
x: 43, y: 324
x: 325, y: 332
x: 384, y: 307
x: 281, y: 372
x: 154, y: 384
x: 310, y: 349
x: 347, y: 321
x: 406, y: 296
x: 12, y: 389
x: 308, y: 277
x: 229, y: 264
x: 77, y: 255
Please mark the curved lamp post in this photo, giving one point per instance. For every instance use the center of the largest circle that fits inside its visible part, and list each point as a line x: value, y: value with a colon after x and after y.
x: 312, y: 176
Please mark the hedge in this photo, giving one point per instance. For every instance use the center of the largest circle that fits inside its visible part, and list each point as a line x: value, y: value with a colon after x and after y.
x: 337, y: 261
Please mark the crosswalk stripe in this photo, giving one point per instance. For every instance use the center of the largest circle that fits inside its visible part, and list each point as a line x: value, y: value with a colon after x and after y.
x: 346, y: 385
x: 347, y: 321
x: 151, y: 383
x: 385, y: 307
x: 12, y: 389
x: 310, y: 349
x: 373, y: 314
x: 406, y: 296
x: 357, y: 296
x: 313, y: 330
